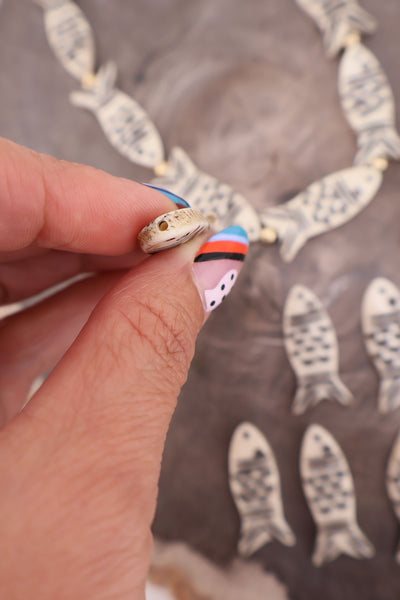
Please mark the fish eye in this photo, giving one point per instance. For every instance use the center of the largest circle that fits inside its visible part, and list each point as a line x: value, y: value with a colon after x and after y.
x: 163, y: 225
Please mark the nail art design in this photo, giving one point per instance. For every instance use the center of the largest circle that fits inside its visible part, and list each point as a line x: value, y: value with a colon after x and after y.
x: 172, y: 229
x: 180, y: 202
x: 218, y: 263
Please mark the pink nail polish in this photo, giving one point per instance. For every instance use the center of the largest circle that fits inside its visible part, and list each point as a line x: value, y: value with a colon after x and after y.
x: 218, y: 263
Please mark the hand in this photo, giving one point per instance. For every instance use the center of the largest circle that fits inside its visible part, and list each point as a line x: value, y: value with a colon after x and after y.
x: 79, y: 465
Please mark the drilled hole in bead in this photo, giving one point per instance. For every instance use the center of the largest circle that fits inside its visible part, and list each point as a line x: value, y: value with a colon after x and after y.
x: 163, y: 225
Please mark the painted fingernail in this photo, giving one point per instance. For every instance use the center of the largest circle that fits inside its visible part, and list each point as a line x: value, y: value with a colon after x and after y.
x: 218, y: 263
x: 180, y: 202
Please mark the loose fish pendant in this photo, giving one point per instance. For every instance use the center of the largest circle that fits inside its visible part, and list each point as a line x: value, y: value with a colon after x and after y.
x: 368, y: 103
x: 312, y: 350
x: 380, y: 315
x: 215, y: 200
x: 124, y: 122
x: 324, y: 205
x: 337, y: 19
x: 329, y: 489
x: 172, y: 229
x: 256, y: 489
x: 70, y: 36
x: 393, y: 482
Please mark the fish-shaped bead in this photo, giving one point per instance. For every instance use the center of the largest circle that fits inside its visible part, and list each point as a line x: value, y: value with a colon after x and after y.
x: 124, y: 122
x: 70, y: 36
x: 368, y: 104
x: 324, y: 205
x: 329, y: 489
x: 393, y: 482
x: 255, y: 486
x: 312, y: 350
x: 380, y: 315
x: 172, y: 229
x: 214, y: 199
x: 337, y: 19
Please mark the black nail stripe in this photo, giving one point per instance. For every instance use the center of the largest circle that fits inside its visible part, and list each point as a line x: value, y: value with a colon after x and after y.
x: 219, y: 256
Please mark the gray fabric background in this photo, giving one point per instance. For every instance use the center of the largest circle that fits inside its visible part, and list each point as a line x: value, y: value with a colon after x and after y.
x: 245, y: 88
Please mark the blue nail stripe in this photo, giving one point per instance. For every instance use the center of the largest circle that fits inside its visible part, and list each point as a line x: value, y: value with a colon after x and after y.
x: 233, y: 238
x: 177, y: 199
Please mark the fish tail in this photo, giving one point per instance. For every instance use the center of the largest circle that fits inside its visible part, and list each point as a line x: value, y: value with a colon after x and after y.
x: 389, y: 394
x: 310, y: 393
x: 254, y: 535
x: 348, y: 539
x: 103, y: 85
x: 290, y: 231
x: 381, y: 142
x: 251, y: 539
x: 353, y: 19
x: 280, y: 530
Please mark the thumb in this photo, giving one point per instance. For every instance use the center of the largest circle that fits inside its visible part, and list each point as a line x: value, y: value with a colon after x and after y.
x: 84, y: 455
x: 117, y: 386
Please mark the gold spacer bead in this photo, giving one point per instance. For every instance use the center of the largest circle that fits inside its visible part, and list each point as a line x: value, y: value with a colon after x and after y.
x: 161, y: 169
x: 381, y: 163
x: 268, y: 235
x: 352, y: 39
x: 88, y: 81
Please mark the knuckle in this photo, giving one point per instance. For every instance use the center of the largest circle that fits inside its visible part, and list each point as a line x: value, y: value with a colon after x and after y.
x: 158, y: 332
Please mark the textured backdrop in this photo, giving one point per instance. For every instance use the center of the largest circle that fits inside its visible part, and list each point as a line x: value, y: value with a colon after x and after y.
x: 245, y: 88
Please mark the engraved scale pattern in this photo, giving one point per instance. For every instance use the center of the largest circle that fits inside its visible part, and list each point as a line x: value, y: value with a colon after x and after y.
x: 324, y: 205
x: 380, y: 315
x: 368, y: 104
x: 124, y: 122
x: 255, y: 486
x: 312, y: 350
x: 70, y: 36
x: 329, y: 491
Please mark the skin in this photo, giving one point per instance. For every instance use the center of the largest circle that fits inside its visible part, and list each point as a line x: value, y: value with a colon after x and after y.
x: 79, y: 466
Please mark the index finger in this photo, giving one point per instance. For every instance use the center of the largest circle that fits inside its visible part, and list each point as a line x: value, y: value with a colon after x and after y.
x: 67, y: 206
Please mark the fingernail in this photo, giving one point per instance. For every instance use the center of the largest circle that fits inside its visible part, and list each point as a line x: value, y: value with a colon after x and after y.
x: 217, y: 265
x: 180, y: 202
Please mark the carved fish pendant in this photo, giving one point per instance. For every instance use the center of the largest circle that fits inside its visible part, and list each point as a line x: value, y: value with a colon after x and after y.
x: 312, y: 349
x: 70, y: 36
x: 337, y: 19
x: 329, y: 489
x: 368, y: 104
x: 324, y: 205
x: 256, y: 489
x: 216, y: 200
x: 124, y: 122
x: 381, y: 327
x: 393, y: 482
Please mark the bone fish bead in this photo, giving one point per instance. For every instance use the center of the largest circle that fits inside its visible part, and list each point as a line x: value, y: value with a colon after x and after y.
x: 380, y: 315
x: 337, y: 19
x: 312, y: 349
x: 393, y: 482
x: 124, y: 122
x: 255, y: 485
x: 172, y: 229
x: 329, y: 490
x: 368, y: 104
x: 324, y: 205
x: 216, y: 200
x: 70, y: 36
